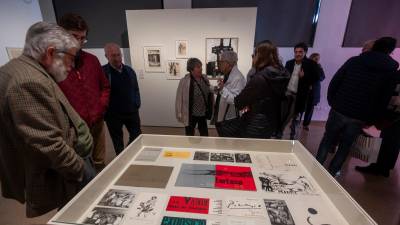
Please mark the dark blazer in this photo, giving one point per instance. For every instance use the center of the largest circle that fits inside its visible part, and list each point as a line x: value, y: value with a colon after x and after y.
x: 362, y: 87
x: 311, y: 75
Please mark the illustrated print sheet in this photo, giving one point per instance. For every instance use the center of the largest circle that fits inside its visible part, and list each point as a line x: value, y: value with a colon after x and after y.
x: 287, y: 183
x: 273, y: 161
x: 282, y: 192
x: 147, y: 209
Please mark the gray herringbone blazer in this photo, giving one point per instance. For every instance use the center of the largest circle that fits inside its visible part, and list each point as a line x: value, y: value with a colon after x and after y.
x: 38, y: 164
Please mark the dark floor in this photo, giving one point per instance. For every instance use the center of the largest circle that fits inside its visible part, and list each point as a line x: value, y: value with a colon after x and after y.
x: 379, y: 196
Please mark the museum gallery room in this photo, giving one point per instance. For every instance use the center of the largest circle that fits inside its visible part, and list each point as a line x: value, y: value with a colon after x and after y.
x: 200, y: 112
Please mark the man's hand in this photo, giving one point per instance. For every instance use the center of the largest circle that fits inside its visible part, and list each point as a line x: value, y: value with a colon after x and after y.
x: 301, y: 73
x: 245, y: 109
x: 220, y: 84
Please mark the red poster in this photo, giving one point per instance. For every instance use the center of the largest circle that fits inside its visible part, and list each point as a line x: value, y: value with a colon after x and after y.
x: 188, y: 204
x: 234, y: 177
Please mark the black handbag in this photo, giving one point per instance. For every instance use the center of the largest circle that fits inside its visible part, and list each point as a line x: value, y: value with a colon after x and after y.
x: 230, y: 128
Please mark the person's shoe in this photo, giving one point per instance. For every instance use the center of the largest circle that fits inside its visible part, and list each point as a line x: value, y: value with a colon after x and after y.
x: 306, y: 128
x: 373, y: 169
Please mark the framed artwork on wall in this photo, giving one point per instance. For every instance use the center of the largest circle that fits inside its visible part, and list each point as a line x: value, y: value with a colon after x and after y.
x: 181, y: 49
x: 13, y: 52
x: 214, y: 48
x: 175, y: 69
x: 153, y: 59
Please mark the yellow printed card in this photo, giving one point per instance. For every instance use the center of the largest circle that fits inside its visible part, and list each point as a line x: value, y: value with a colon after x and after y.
x: 176, y: 154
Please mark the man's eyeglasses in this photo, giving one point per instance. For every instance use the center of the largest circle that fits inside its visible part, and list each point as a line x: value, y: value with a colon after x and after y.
x: 67, y: 53
x: 80, y: 38
x: 74, y: 58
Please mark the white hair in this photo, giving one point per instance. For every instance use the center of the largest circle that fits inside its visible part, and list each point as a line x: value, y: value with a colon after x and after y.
x: 42, y: 35
x: 230, y: 57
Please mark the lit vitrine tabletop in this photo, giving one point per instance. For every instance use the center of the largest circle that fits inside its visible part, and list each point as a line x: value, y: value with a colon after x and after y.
x: 171, y: 180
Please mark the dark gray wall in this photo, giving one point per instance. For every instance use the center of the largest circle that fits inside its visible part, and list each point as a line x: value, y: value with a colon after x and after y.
x: 106, y: 19
x: 287, y: 22
x: 371, y: 19
x: 223, y: 3
x: 284, y: 22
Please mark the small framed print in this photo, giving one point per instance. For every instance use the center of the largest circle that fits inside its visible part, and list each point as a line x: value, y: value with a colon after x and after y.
x: 181, y: 49
x: 175, y: 69
x: 153, y: 59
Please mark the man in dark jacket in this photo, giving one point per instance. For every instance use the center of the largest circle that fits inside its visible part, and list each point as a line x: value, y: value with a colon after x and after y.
x: 390, y: 147
x: 124, y: 99
x: 358, y: 95
x: 304, y: 73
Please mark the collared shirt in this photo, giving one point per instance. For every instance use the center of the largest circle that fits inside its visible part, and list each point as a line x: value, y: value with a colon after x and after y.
x: 294, y: 79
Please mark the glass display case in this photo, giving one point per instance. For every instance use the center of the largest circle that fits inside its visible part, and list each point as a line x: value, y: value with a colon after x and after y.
x: 170, y: 180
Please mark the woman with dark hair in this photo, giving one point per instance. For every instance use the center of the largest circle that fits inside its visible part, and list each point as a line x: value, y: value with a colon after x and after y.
x: 194, y: 99
x: 261, y: 99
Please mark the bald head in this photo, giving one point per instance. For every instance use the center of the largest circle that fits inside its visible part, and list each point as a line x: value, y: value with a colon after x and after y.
x: 113, y: 54
x: 367, y: 46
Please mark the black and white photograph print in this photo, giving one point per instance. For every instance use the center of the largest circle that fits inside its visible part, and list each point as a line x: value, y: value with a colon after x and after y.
x: 222, y: 157
x: 214, y: 48
x: 278, y: 212
x: 117, y: 198
x: 201, y: 155
x: 181, y: 49
x: 153, y: 59
x: 105, y: 216
x: 286, y: 184
x: 174, y: 69
x: 242, y: 158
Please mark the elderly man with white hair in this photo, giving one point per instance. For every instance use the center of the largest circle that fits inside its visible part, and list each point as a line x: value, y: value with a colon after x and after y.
x: 44, y: 145
x: 123, y: 109
x: 228, y: 88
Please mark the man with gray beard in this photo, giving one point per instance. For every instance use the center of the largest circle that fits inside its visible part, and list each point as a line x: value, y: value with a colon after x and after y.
x: 45, y: 146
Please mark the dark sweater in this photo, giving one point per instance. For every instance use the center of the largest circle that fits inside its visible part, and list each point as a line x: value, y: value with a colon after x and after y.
x: 125, y: 96
x: 362, y: 87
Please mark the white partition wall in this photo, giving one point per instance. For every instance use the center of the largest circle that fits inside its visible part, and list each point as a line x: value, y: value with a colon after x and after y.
x: 163, y: 28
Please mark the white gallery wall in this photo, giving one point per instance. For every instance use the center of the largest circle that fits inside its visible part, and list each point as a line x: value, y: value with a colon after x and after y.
x: 163, y: 28
x: 16, y: 16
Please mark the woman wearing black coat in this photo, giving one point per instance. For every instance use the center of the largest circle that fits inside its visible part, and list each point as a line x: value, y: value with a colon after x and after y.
x: 261, y: 98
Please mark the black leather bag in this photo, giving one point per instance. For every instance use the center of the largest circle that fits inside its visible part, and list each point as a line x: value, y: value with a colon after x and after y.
x: 230, y: 128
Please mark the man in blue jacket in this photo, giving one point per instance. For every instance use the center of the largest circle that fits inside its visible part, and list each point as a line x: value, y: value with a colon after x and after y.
x: 124, y: 99
x: 358, y: 95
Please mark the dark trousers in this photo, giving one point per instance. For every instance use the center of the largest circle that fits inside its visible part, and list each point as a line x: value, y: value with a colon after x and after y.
x: 390, y: 147
x: 309, y: 112
x: 201, y: 121
x: 295, y: 124
x: 115, y: 122
x: 338, y: 125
